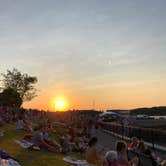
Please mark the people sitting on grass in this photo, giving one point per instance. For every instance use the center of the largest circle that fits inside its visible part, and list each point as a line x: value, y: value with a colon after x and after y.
x: 67, y: 145
x: 39, y: 141
x: 76, y: 139
x: 80, y: 144
x: 53, y: 143
x: 121, y: 149
x: 23, y: 124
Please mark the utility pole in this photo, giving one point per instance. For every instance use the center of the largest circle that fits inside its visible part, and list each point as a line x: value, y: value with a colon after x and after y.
x: 93, y: 105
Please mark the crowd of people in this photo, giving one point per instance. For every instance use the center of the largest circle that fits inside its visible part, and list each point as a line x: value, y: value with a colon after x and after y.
x: 75, y: 132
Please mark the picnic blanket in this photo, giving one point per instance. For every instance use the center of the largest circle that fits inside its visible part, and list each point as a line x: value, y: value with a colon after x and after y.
x: 23, y: 143
x: 8, y: 162
x: 4, y: 155
x: 76, y: 162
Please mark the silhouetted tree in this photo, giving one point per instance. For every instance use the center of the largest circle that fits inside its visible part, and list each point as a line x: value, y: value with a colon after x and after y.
x: 10, y: 98
x: 23, y: 84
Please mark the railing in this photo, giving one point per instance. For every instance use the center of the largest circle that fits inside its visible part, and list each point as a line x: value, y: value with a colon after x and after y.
x: 152, y: 136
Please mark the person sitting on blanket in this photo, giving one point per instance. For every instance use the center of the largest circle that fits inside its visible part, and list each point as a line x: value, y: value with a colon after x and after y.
x: 38, y: 140
x: 92, y: 155
x: 80, y: 145
x: 46, y: 131
x: 20, y: 124
x: 67, y: 144
x: 111, y: 159
x: 121, y: 149
x: 27, y: 125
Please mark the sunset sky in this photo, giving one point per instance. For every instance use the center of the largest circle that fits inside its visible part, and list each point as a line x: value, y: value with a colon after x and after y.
x: 92, y: 53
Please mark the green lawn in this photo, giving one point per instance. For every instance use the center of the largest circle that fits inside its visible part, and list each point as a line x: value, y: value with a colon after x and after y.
x: 25, y: 156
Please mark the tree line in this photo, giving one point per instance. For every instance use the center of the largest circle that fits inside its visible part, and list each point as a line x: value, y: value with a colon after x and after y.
x: 16, y: 88
x: 156, y: 111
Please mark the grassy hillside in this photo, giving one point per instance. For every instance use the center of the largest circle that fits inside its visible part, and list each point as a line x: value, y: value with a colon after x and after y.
x: 24, y: 156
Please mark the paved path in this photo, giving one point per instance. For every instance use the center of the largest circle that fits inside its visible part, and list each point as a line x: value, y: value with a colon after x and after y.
x: 108, y: 141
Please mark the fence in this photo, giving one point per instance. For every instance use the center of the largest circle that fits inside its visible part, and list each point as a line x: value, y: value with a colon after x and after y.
x: 152, y: 136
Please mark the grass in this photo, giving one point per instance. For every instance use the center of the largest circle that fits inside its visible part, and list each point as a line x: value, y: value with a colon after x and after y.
x: 24, y: 156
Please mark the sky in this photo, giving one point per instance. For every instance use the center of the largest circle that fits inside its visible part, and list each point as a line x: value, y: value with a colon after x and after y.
x: 101, y: 54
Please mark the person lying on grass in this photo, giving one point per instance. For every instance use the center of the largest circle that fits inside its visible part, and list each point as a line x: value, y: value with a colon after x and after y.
x: 39, y: 140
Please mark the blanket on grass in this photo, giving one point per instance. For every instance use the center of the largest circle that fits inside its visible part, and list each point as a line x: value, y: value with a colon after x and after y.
x: 4, y: 155
x: 24, y: 144
x: 8, y: 162
x: 27, y: 145
x: 76, y: 162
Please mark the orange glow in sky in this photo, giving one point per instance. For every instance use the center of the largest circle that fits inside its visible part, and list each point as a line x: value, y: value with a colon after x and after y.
x: 59, y: 104
x: 87, y: 54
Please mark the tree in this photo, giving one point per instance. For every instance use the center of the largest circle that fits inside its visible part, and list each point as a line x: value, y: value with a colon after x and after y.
x: 10, y: 98
x: 23, y: 84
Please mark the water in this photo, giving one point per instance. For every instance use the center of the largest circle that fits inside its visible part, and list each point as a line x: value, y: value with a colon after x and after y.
x: 158, y: 117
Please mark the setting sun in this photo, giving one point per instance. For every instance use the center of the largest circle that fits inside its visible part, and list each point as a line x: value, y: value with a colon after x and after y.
x: 60, y: 104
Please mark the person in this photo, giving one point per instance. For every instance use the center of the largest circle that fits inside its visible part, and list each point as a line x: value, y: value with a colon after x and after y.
x: 134, y: 144
x: 163, y: 163
x: 47, y: 140
x: 20, y: 124
x: 80, y: 145
x: 66, y: 144
x: 111, y: 159
x: 121, y: 149
x: 38, y: 140
x: 27, y: 125
x: 152, y: 155
x: 93, y: 131
x: 72, y: 132
x: 1, y: 122
x: 92, y: 154
x: 141, y: 147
